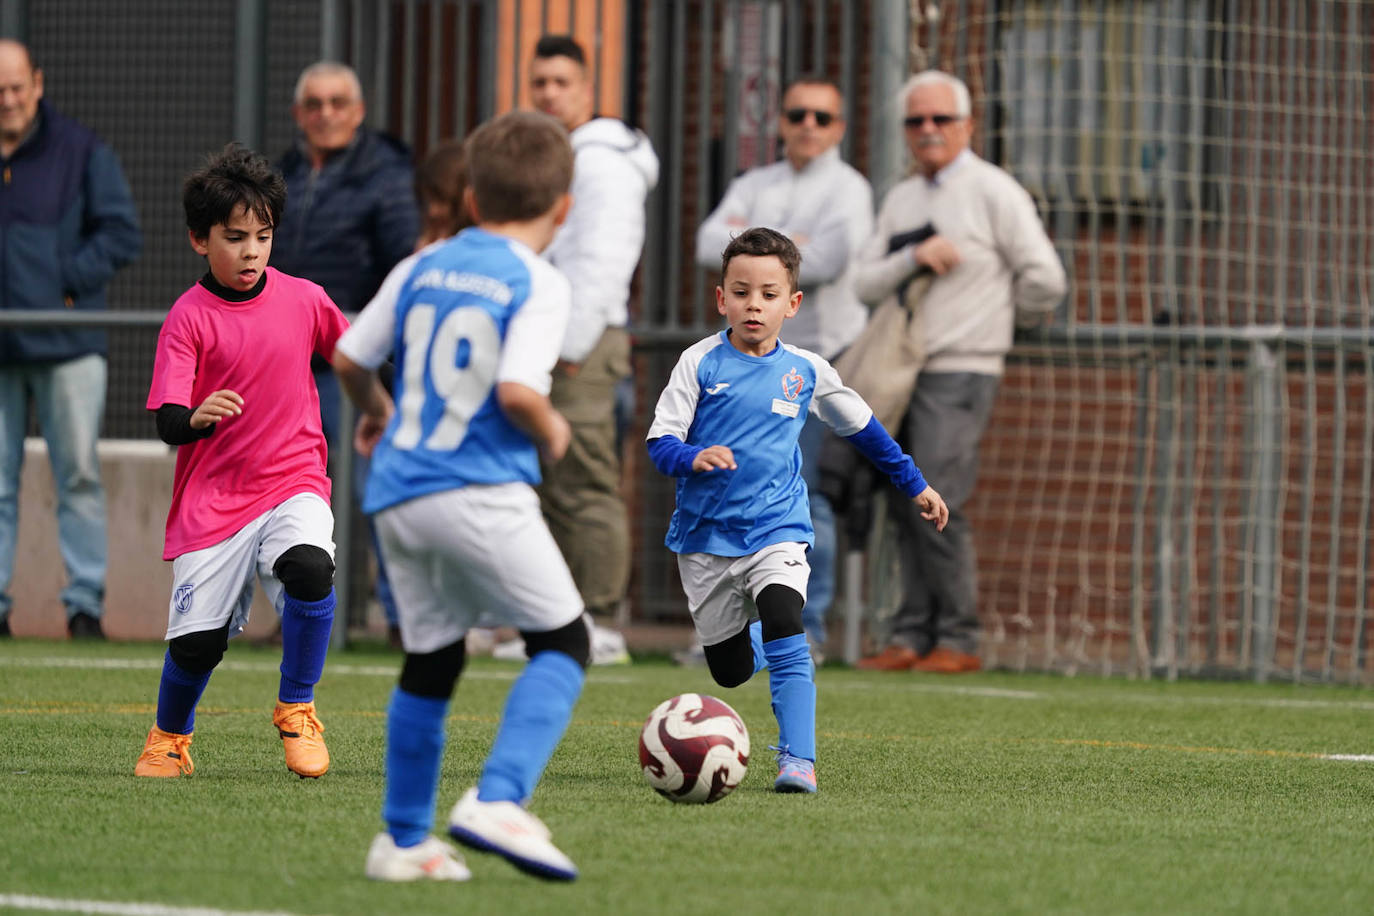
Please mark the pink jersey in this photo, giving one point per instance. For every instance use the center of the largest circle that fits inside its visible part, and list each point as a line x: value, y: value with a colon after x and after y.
x: 275, y: 449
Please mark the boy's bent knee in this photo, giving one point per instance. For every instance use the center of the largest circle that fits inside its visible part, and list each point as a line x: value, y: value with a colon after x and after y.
x: 433, y: 674
x: 573, y: 640
x: 199, y: 653
x: 306, y: 572
x: 780, y: 611
x: 731, y: 662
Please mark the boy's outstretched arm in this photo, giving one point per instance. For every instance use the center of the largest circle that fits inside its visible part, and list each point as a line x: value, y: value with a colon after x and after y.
x: 881, y: 449
x: 365, y: 390
x: 534, y: 414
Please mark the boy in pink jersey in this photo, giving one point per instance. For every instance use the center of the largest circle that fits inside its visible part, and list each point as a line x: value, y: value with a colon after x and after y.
x: 232, y: 387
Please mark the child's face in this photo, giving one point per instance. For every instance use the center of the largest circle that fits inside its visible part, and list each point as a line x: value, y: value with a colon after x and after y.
x: 237, y: 249
x: 755, y: 297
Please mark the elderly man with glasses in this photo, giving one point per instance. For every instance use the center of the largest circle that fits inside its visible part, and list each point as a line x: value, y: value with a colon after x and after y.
x: 350, y: 217
x: 990, y: 264
x: 825, y: 207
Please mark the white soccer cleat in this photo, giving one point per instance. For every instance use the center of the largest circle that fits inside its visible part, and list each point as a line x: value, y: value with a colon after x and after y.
x: 510, y: 831
x: 432, y: 860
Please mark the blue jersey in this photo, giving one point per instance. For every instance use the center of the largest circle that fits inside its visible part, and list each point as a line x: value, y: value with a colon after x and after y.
x: 460, y: 316
x: 755, y: 405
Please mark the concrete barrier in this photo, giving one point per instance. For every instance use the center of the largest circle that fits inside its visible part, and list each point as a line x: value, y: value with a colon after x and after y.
x: 138, y: 491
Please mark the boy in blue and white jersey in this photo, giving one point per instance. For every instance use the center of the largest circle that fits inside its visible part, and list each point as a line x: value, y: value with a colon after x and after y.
x: 726, y: 426
x: 475, y: 323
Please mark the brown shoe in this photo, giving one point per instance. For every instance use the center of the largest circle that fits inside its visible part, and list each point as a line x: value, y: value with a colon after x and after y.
x: 893, y: 658
x: 947, y: 661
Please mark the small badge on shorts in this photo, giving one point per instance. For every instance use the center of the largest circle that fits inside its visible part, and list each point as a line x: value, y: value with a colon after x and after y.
x: 181, y: 598
x: 786, y: 408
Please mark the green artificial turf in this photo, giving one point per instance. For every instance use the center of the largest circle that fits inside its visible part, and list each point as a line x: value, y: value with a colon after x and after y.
x: 988, y: 793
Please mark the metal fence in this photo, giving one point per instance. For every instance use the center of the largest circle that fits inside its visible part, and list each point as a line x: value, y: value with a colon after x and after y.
x: 1178, y: 475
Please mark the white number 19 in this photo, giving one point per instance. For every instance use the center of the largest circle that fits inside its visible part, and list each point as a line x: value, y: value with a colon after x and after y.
x: 464, y: 389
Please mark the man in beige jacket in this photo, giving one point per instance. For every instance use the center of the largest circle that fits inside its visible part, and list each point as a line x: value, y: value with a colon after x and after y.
x: 992, y: 262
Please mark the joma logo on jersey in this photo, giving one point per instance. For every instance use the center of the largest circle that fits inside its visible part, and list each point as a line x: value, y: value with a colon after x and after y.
x: 792, y: 384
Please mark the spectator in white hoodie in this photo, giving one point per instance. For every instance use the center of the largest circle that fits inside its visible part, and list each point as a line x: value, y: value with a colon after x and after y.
x: 598, y: 249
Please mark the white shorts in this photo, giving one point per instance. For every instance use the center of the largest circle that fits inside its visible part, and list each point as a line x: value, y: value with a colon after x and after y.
x: 474, y: 556
x: 215, y: 583
x: 721, y: 590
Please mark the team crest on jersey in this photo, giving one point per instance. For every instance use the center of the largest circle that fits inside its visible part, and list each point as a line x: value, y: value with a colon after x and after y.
x: 181, y: 598
x: 792, y: 384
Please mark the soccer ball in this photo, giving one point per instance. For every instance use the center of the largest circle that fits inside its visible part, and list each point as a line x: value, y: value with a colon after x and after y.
x: 694, y: 749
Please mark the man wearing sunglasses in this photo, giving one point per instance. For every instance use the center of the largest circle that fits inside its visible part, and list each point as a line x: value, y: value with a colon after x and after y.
x: 826, y: 207
x: 991, y: 264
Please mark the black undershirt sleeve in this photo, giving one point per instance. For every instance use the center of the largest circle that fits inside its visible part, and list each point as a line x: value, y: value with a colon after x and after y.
x: 174, y: 425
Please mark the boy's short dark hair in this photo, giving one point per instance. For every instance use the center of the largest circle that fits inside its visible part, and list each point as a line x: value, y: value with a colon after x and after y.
x: 441, y: 178
x: 519, y: 164
x: 760, y: 242
x: 560, y: 46
x: 234, y: 178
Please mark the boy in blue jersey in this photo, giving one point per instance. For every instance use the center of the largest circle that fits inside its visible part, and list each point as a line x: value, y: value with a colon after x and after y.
x: 726, y: 426
x: 475, y: 323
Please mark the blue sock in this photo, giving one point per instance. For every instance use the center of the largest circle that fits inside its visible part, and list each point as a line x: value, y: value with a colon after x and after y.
x: 305, y: 627
x: 756, y: 642
x: 177, y: 696
x: 414, y: 749
x: 538, y: 710
x: 791, y: 680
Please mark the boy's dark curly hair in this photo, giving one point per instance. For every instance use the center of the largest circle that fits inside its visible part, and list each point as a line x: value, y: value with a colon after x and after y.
x: 232, y: 179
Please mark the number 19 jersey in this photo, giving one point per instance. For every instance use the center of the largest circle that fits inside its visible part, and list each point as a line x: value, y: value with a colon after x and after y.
x: 460, y: 316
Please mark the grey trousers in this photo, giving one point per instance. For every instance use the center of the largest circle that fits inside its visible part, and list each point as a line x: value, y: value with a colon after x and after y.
x: 944, y: 425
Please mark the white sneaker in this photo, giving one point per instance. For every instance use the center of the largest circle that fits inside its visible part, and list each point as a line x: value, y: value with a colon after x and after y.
x: 510, y: 831
x: 608, y: 647
x: 432, y: 860
x: 512, y: 650
x: 480, y: 641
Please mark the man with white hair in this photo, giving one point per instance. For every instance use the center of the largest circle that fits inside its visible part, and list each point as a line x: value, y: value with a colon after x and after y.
x: 992, y: 264
x: 350, y: 217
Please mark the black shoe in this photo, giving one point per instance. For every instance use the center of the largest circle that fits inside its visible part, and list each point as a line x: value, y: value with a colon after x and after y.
x: 5, y: 627
x: 84, y: 626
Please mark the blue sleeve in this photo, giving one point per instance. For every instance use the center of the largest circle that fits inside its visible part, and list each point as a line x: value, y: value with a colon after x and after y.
x: 672, y: 456
x: 111, y: 238
x: 881, y: 449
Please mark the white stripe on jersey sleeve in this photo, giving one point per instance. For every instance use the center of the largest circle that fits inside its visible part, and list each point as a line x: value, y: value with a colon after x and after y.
x: 535, y: 333
x: 842, y: 409
x: 677, y: 405
x: 369, y: 340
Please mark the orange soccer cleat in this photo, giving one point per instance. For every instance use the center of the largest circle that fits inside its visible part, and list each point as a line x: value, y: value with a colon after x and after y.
x: 302, y: 738
x: 165, y: 755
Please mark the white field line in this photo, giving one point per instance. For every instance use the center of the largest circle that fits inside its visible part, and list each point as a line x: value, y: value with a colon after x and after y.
x: 60, y: 905
x: 899, y: 685
x: 893, y: 684
x: 145, y: 664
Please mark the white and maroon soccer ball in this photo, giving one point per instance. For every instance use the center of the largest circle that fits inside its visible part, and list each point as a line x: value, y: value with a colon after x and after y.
x: 694, y: 749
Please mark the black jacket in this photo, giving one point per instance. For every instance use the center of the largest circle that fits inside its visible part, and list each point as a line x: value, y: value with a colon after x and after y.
x: 346, y: 226
x: 67, y: 223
